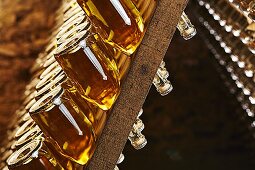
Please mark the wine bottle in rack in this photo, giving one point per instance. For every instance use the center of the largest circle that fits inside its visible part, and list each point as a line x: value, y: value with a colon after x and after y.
x: 117, y: 21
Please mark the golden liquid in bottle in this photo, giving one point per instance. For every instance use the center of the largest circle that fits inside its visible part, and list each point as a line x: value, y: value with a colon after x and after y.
x: 117, y: 21
x: 59, y: 159
x: 100, y: 120
x: 65, y: 126
x: 92, y: 112
x: 146, y: 9
x: 97, y: 82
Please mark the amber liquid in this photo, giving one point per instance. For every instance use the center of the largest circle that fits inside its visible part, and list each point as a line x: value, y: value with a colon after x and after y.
x: 116, y: 30
x: 59, y: 159
x: 95, y: 115
x: 88, y: 80
x: 146, y: 9
x: 68, y: 130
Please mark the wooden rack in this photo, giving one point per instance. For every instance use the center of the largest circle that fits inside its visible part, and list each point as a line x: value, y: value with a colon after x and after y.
x: 137, y: 84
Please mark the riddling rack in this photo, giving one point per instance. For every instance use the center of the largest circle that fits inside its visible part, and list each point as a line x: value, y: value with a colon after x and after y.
x: 230, y: 37
x: 136, y: 77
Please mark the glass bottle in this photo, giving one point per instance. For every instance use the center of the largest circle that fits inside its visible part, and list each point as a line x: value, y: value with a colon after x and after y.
x: 118, y: 22
x: 64, y: 125
x: 99, y: 83
x: 33, y: 155
x: 32, y: 134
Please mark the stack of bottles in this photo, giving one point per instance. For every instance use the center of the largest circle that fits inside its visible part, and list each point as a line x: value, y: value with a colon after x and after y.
x: 230, y: 37
x: 76, y: 81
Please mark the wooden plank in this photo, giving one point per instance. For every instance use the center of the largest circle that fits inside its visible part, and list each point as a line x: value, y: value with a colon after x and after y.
x: 137, y: 84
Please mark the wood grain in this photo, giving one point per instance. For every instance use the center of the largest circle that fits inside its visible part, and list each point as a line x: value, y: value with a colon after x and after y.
x: 137, y: 84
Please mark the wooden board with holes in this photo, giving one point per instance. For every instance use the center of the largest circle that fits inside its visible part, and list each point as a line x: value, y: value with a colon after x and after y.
x: 137, y: 84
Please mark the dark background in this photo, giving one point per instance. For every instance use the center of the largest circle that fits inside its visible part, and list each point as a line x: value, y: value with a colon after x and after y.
x: 198, y: 126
